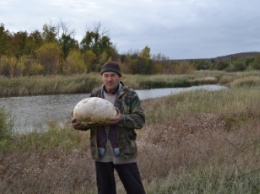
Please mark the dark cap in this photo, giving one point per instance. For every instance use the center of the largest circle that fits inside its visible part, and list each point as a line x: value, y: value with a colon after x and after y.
x: 111, y: 66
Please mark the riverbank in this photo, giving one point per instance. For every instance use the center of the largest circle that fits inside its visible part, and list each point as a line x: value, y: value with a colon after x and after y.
x: 84, y: 83
x: 207, y: 142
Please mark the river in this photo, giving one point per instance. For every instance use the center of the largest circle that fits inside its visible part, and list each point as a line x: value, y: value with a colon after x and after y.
x: 33, y: 113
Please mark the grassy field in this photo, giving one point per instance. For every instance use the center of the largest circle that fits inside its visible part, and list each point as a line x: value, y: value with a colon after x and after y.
x: 84, y: 83
x: 193, y: 142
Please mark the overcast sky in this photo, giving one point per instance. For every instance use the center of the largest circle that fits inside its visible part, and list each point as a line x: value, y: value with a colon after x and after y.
x: 177, y: 29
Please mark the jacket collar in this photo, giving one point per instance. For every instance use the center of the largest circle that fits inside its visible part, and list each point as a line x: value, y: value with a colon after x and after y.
x: 119, y: 87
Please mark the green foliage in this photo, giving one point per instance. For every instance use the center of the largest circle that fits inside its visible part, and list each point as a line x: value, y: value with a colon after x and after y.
x: 67, y: 44
x: 222, y: 65
x: 3, y: 39
x: 164, y: 84
x: 239, y: 66
x: 66, y: 41
x: 99, y: 44
x: 49, y: 33
x: 202, y: 65
x: 256, y: 63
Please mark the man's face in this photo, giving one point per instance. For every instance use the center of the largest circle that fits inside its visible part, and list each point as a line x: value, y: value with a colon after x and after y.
x: 111, y: 81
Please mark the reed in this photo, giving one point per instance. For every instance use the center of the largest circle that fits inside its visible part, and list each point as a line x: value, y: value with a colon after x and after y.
x: 84, y: 83
x: 43, y: 85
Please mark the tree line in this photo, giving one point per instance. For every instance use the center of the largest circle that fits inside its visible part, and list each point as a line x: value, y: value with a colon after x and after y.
x: 54, y: 50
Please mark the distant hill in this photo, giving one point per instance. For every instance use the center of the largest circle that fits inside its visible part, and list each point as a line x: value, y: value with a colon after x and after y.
x: 225, y: 57
x: 239, y: 55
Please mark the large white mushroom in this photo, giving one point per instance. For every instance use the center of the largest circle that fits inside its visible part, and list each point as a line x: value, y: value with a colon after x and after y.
x: 94, y: 110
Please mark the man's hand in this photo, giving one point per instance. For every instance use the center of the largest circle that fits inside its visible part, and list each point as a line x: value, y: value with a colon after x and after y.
x: 116, y: 119
x: 78, y: 125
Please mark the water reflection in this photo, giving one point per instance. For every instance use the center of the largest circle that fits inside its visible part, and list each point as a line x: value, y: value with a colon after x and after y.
x: 160, y: 92
x: 34, y: 112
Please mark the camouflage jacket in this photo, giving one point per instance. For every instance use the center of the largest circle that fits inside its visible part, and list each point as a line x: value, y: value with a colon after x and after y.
x: 133, y: 117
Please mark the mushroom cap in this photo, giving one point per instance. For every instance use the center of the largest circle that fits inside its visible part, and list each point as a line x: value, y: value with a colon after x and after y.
x: 94, y: 110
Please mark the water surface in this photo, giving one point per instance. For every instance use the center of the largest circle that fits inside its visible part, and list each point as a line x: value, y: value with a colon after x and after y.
x: 35, y: 112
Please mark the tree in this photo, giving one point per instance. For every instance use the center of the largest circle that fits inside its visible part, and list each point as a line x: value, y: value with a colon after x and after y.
x: 90, y: 60
x: 256, y: 63
x: 48, y: 55
x: 99, y: 43
x: 145, y: 53
x: 31, y: 67
x: 202, y: 65
x: 17, y: 43
x: 8, y: 66
x: 146, y: 61
x: 222, y: 65
x: 3, y: 39
x: 49, y: 33
x: 67, y: 44
x: 33, y: 42
x: 75, y: 63
x: 65, y: 39
x: 239, y: 66
x: 162, y: 64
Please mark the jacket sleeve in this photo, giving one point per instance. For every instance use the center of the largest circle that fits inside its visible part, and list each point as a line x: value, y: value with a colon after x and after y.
x: 135, y: 117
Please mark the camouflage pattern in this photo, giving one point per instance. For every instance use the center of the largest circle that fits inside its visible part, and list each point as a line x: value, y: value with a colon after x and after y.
x: 129, y: 104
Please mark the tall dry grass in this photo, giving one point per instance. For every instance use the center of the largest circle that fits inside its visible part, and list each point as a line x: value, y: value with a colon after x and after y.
x: 84, y: 83
x: 193, y: 142
x: 43, y: 85
x: 202, y: 142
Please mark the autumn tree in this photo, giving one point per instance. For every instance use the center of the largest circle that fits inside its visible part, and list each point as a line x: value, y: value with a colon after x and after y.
x: 3, y: 39
x: 162, y: 64
x: 49, y: 55
x: 65, y: 39
x: 91, y: 60
x: 147, y: 61
x: 33, y: 42
x: 139, y: 62
x: 8, y: 66
x: 75, y: 63
x: 49, y: 33
x: 99, y: 43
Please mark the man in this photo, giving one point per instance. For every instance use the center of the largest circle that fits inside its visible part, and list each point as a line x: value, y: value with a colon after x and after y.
x: 113, y: 146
